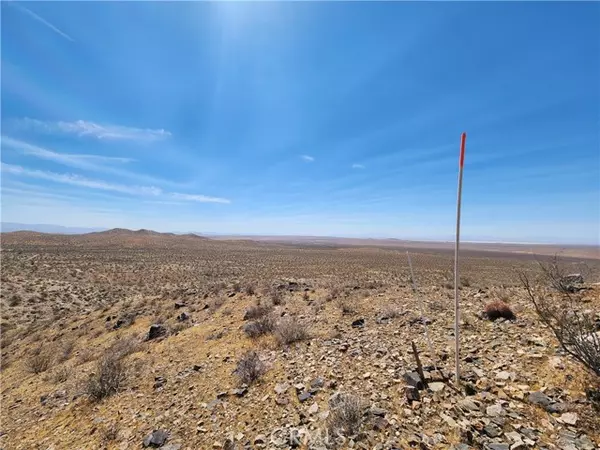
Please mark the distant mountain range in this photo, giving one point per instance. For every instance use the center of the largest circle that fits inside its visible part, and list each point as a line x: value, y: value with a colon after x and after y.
x: 7, y: 227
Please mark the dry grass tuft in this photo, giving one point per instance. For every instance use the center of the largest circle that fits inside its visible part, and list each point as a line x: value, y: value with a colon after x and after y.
x: 346, y: 415
x: 259, y: 327
x: 290, y: 330
x: 498, y: 309
x: 250, y: 368
x: 40, y: 361
x: 108, y: 378
x: 256, y: 312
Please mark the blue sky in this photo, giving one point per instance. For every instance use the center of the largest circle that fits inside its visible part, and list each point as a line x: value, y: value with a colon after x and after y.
x: 304, y: 118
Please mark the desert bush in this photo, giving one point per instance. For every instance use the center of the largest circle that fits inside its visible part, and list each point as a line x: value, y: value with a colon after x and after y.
x: 257, y: 311
x: 250, y: 288
x: 108, y: 377
x: 555, y: 275
x: 498, y: 309
x: 215, y: 304
x: 390, y: 312
x: 573, y: 327
x: 250, y: 368
x: 333, y: 293
x: 40, y: 360
x: 290, y: 330
x: 276, y: 296
x: 346, y: 306
x: 110, y: 433
x: 125, y: 346
x: 346, y: 414
x: 259, y: 327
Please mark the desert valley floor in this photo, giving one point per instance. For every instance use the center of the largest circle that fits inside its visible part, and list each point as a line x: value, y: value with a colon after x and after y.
x: 131, y: 339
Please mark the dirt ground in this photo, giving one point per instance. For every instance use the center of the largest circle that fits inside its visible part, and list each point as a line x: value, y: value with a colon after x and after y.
x: 342, y: 318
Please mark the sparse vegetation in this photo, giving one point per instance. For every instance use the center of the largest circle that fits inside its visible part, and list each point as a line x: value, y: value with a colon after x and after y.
x: 259, y: 327
x: 574, y: 327
x: 498, y: 309
x: 40, y: 360
x: 250, y: 368
x: 346, y: 415
x: 108, y: 377
x: 290, y: 330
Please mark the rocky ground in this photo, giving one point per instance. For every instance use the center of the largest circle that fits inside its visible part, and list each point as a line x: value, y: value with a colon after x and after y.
x: 334, y: 369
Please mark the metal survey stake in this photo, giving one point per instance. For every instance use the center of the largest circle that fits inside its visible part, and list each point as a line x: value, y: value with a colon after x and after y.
x: 463, y: 139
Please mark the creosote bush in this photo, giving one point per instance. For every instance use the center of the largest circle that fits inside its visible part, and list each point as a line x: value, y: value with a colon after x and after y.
x: 257, y: 311
x: 259, y: 327
x: 498, y: 309
x: 290, y: 330
x: 108, y: 377
x: 561, y: 310
x: 250, y: 368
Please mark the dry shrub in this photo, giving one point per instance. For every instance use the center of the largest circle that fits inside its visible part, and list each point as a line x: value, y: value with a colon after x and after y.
x: 498, y: 309
x: 108, y: 377
x: 290, y: 330
x: 346, y: 414
x: 250, y: 368
x: 110, y: 434
x: 390, y: 312
x: 257, y: 311
x: 333, y: 293
x: 573, y: 326
x: 276, y: 296
x: 250, y: 288
x: 125, y: 346
x: 345, y: 306
x: 40, y: 360
x: 259, y: 327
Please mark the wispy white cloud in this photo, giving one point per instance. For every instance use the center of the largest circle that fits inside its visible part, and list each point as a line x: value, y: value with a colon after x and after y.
x: 96, y: 163
x: 358, y: 166
x: 95, y: 130
x: 307, y: 158
x: 41, y: 20
x: 199, y: 198
x: 77, y: 180
x: 73, y: 160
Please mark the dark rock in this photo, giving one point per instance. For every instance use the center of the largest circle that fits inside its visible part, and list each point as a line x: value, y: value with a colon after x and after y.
x: 179, y: 305
x: 413, y: 379
x: 420, y: 321
x: 159, y: 382
x: 222, y: 394
x: 156, y: 439
x: 469, y: 389
x: 358, y: 323
x: 156, y: 331
x: 492, y: 430
x: 197, y: 368
x: 303, y: 396
x: 540, y: 399
x: 380, y: 424
x: 183, y: 317
x: 412, y: 394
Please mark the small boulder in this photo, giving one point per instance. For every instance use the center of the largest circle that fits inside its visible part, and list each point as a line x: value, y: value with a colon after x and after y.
x: 156, y: 331
x: 156, y: 439
x: 358, y: 323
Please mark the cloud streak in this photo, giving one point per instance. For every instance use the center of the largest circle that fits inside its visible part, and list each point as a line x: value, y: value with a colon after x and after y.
x: 307, y: 158
x: 78, y: 161
x: 358, y: 166
x: 77, y: 180
x: 95, y: 130
x: 199, y: 198
x: 40, y: 19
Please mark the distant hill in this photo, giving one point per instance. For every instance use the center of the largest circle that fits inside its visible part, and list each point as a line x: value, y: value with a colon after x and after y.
x: 7, y: 227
